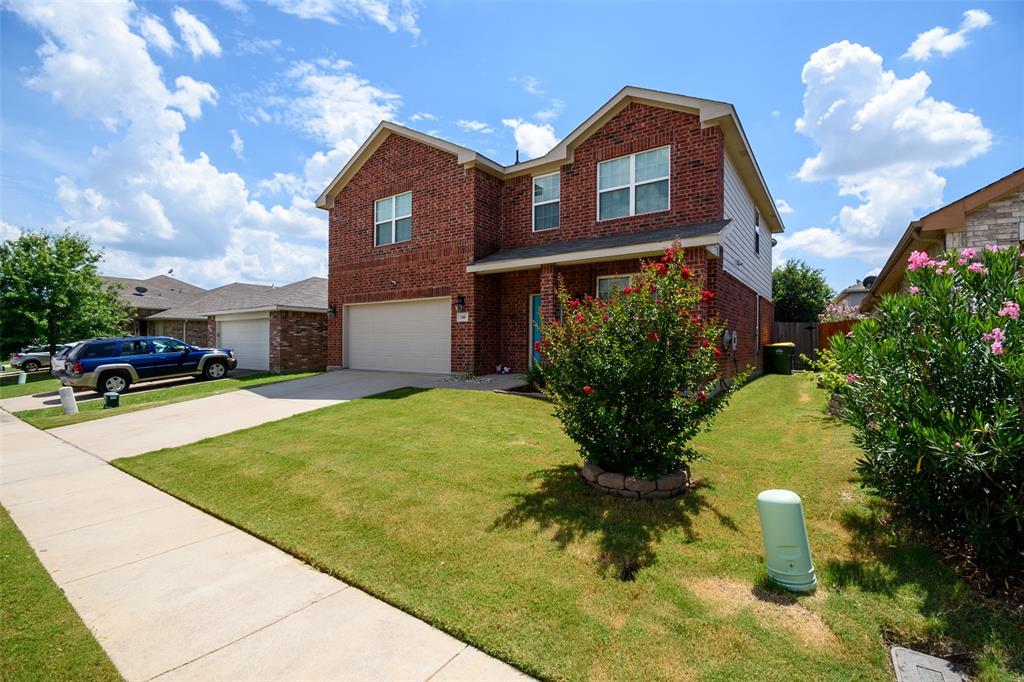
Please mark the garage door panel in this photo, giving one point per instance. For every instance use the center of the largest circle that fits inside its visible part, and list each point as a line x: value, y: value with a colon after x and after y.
x: 250, y: 339
x: 410, y: 336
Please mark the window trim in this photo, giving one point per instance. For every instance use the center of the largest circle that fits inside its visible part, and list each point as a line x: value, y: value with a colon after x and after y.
x: 534, y: 204
x: 393, y: 220
x: 597, y: 283
x: 632, y: 185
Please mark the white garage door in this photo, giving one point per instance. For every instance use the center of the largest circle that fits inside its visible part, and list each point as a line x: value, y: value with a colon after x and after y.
x: 406, y: 336
x: 250, y: 339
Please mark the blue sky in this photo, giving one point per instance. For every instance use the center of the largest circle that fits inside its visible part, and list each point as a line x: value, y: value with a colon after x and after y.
x: 195, y: 135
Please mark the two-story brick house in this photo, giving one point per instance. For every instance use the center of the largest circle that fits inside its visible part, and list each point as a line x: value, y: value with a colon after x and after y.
x: 441, y: 260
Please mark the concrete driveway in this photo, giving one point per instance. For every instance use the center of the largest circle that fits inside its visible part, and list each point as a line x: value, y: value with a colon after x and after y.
x: 168, y: 426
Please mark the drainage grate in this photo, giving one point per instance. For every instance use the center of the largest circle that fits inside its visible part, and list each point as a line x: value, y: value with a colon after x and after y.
x: 912, y: 666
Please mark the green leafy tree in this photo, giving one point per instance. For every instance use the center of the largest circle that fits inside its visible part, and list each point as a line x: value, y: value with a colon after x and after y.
x: 50, y: 291
x: 630, y: 378
x: 934, y: 386
x: 799, y: 292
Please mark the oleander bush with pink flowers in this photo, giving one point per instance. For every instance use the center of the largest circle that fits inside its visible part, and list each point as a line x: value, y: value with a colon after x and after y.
x: 634, y: 378
x: 935, y: 390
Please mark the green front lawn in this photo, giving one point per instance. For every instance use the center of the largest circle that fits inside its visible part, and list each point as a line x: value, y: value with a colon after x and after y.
x: 52, y: 417
x: 465, y: 509
x: 41, y: 636
x: 36, y: 382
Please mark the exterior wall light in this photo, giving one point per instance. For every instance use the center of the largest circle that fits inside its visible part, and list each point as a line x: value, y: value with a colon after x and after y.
x: 331, y: 310
x: 460, y: 304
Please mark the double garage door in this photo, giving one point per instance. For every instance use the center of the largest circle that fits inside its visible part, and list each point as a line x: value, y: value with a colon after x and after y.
x: 402, y: 336
x: 249, y: 338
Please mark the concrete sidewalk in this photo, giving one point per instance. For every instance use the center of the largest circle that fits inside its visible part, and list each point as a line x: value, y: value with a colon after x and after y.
x: 171, y: 592
x: 168, y: 426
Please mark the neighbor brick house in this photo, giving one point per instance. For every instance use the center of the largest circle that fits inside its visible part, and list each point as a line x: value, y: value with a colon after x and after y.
x: 441, y: 260
x: 993, y: 214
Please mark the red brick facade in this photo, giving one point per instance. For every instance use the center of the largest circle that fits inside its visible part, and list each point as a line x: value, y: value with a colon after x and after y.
x: 298, y: 341
x: 461, y: 213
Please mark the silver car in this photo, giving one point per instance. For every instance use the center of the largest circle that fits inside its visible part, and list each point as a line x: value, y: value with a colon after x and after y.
x: 30, y: 359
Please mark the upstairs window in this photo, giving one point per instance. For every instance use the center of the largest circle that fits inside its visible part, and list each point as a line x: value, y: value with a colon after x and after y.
x: 393, y: 220
x: 546, y: 201
x: 633, y: 185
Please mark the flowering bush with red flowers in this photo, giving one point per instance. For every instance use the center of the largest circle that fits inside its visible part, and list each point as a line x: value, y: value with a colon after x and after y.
x: 630, y: 377
x: 934, y: 386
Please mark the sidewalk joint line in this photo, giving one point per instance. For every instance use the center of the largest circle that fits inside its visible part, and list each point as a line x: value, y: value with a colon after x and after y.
x: 445, y: 664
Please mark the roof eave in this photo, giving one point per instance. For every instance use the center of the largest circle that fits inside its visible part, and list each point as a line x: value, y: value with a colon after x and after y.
x: 269, y: 308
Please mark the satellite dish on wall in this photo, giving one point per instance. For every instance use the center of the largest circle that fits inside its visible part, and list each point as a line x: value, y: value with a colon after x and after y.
x: 141, y: 290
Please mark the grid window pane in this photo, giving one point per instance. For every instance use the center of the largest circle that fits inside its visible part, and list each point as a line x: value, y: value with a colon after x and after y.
x: 652, y: 164
x: 383, y: 233
x: 652, y: 197
x: 545, y: 217
x: 403, y: 229
x: 613, y: 173
x: 383, y: 210
x: 614, y: 204
x: 403, y: 204
x: 606, y: 286
x: 546, y: 188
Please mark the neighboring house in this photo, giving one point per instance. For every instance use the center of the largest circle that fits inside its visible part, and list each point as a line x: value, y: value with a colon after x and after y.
x: 150, y: 296
x: 854, y: 294
x: 442, y: 260
x: 992, y: 215
x: 281, y: 329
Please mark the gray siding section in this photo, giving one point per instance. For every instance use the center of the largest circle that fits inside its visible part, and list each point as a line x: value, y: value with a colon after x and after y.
x: 754, y: 270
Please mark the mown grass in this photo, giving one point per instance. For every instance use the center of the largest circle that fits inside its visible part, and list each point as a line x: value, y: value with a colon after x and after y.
x: 41, y: 636
x: 465, y: 509
x: 36, y: 382
x: 52, y: 417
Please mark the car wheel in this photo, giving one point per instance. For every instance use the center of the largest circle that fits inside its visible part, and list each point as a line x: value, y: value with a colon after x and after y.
x: 215, y: 369
x: 114, y: 382
x: 30, y: 365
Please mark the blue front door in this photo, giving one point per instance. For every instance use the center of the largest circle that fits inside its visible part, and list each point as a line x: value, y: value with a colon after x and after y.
x: 534, y: 327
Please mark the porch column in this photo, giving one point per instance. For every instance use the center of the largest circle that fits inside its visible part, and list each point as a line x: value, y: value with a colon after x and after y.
x: 547, y: 292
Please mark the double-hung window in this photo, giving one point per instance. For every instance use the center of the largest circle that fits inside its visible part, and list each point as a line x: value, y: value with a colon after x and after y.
x: 609, y: 285
x: 393, y: 220
x: 546, y: 201
x: 633, y: 185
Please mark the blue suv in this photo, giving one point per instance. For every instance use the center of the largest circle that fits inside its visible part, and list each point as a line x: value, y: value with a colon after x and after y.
x: 115, y: 364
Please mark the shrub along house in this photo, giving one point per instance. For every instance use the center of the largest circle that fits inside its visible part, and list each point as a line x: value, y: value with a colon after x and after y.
x: 280, y: 329
x: 442, y: 260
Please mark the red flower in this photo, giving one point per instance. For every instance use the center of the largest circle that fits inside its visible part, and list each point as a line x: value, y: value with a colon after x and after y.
x: 601, y: 303
x: 588, y: 390
x: 705, y: 343
x: 718, y: 353
x: 701, y: 395
x: 537, y: 346
x: 670, y: 254
x: 574, y: 303
x: 685, y: 272
x: 661, y: 269
x: 695, y: 319
x: 578, y: 317
x: 653, y: 336
x: 627, y: 291
x: 707, y: 295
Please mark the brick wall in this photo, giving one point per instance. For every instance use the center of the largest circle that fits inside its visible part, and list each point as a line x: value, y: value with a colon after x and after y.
x: 298, y: 341
x: 999, y: 222
x: 738, y: 306
x: 211, y: 330
x: 696, y: 191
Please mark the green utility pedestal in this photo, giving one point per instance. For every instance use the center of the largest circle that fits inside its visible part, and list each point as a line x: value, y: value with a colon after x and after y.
x: 787, y: 552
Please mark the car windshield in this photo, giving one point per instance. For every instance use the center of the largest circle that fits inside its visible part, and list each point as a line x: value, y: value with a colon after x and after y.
x: 165, y: 345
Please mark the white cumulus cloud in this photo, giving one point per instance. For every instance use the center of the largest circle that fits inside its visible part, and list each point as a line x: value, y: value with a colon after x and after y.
x: 532, y: 139
x: 945, y: 42
x: 391, y: 14
x: 471, y: 126
x: 783, y: 207
x: 156, y: 34
x: 237, y: 144
x: 422, y: 116
x: 195, y: 34
x: 881, y: 139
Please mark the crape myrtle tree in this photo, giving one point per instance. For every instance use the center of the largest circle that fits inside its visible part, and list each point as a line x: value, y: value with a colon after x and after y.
x: 799, y: 292
x: 50, y: 292
x: 934, y: 387
x: 630, y: 377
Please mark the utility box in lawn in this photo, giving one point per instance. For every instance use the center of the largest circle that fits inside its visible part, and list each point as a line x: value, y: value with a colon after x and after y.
x: 779, y: 357
x: 787, y: 552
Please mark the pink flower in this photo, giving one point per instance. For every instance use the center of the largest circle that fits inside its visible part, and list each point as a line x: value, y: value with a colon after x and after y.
x: 991, y: 248
x: 914, y: 290
x: 968, y: 253
x: 852, y: 378
x: 997, y: 348
x: 978, y: 268
x: 1010, y: 309
x: 918, y: 260
x: 873, y: 425
x: 996, y: 336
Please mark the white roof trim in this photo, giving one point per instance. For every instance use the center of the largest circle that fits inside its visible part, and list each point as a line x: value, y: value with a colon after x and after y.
x: 270, y: 308
x: 591, y: 255
x: 711, y: 113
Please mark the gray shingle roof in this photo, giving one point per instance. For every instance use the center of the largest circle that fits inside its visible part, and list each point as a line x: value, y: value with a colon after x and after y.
x: 307, y: 293
x: 592, y: 243
x: 156, y: 293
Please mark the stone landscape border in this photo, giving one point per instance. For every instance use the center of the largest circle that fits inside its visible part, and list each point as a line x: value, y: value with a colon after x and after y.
x: 669, y: 485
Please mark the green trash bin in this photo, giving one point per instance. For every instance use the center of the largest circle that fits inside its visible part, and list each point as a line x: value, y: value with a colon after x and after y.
x: 779, y: 357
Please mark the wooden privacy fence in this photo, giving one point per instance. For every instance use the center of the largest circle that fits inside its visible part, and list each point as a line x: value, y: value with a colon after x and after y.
x: 803, y: 334
x: 826, y: 330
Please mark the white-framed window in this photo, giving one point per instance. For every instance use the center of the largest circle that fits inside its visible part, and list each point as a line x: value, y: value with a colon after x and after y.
x: 392, y: 219
x: 547, y: 192
x: 611, y: 284
x: 634, y: 184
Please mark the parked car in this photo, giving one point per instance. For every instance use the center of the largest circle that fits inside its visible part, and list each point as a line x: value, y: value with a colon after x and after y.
x: 31, y: 358
x: 58, y: 358
x: 112, y: 365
